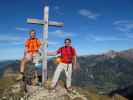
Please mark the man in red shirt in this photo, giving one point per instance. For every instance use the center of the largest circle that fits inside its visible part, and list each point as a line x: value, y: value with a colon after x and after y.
x: 67, y: 57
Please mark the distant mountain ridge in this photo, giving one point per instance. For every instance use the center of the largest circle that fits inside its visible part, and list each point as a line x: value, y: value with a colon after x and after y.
x: 9, y: 64
x: 106, y: 72
x: 125, y: 53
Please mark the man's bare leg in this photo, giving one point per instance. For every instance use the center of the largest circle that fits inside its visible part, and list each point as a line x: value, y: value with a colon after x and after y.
x: 22, y: 68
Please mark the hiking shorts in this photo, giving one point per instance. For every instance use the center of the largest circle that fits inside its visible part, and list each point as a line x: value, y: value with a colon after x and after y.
x: 36, y: 57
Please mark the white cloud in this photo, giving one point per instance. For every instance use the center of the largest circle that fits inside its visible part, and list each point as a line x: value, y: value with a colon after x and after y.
x: 124, y: 25
x: 58, y: 32
x: 105, y: 38
x: 129, y: 35
x: 11, y: 53
x: 89, y: 14
x: 11, y: 39
x: 22, y: 29
x: 61, y: 33
x: 56, y: 7
x: 53, y: 43
x: 57, y: 11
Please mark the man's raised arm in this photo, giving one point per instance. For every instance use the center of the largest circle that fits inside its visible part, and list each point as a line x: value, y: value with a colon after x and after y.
x: 52, y: 53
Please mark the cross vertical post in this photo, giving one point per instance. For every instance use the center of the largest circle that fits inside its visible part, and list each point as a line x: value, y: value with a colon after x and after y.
x: 45, y: 44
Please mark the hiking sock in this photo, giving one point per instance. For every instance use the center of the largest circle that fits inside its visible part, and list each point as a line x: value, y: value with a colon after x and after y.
x: 23, y: 77
x: 22, y: 73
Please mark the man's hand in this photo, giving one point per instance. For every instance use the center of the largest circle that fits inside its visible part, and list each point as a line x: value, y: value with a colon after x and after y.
x: 25, y: 53
x: 76, y: 66
x: 52, y: 53
x: 25, y: 50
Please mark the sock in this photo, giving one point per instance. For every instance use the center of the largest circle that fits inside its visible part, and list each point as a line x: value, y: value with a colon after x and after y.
x: 22, y: 73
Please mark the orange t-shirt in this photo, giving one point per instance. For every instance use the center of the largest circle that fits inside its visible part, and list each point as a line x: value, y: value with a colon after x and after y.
x: 32, y: 45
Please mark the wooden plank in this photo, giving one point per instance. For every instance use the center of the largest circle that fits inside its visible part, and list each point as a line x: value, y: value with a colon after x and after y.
x: 41, y: 22
x: 35, y: 21
x: 57, y: 24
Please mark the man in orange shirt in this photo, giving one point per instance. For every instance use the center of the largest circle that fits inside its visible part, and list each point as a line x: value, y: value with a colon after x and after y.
x: 32, y: 46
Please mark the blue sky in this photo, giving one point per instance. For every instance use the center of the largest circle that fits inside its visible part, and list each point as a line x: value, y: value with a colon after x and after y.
x: 95, y: 26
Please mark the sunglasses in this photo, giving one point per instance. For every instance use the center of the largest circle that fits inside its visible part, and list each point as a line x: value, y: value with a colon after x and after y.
x: 67, y: 42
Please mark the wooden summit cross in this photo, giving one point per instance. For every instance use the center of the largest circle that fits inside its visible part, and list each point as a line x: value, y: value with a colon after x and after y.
x: 45, y: 24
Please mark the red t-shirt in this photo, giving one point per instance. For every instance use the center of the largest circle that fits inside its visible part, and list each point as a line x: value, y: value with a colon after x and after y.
x: 67, y: 54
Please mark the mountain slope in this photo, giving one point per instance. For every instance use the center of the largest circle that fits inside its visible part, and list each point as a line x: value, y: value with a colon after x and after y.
x: 106, y: 73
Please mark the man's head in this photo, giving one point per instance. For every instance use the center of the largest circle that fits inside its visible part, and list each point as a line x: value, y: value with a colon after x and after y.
x: 32, y: 33
x: 67, y: 42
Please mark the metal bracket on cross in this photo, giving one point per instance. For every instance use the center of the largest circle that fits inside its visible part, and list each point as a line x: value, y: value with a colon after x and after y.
x: 45, y: 23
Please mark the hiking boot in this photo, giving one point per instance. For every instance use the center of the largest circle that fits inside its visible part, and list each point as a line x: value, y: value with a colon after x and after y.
x: 69, y: 90
x: 52, y: 89
x: 73, y: 92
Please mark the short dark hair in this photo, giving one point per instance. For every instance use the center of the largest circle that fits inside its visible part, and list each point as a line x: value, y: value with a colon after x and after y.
x: 67, y: 39
x: 32, y: 30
